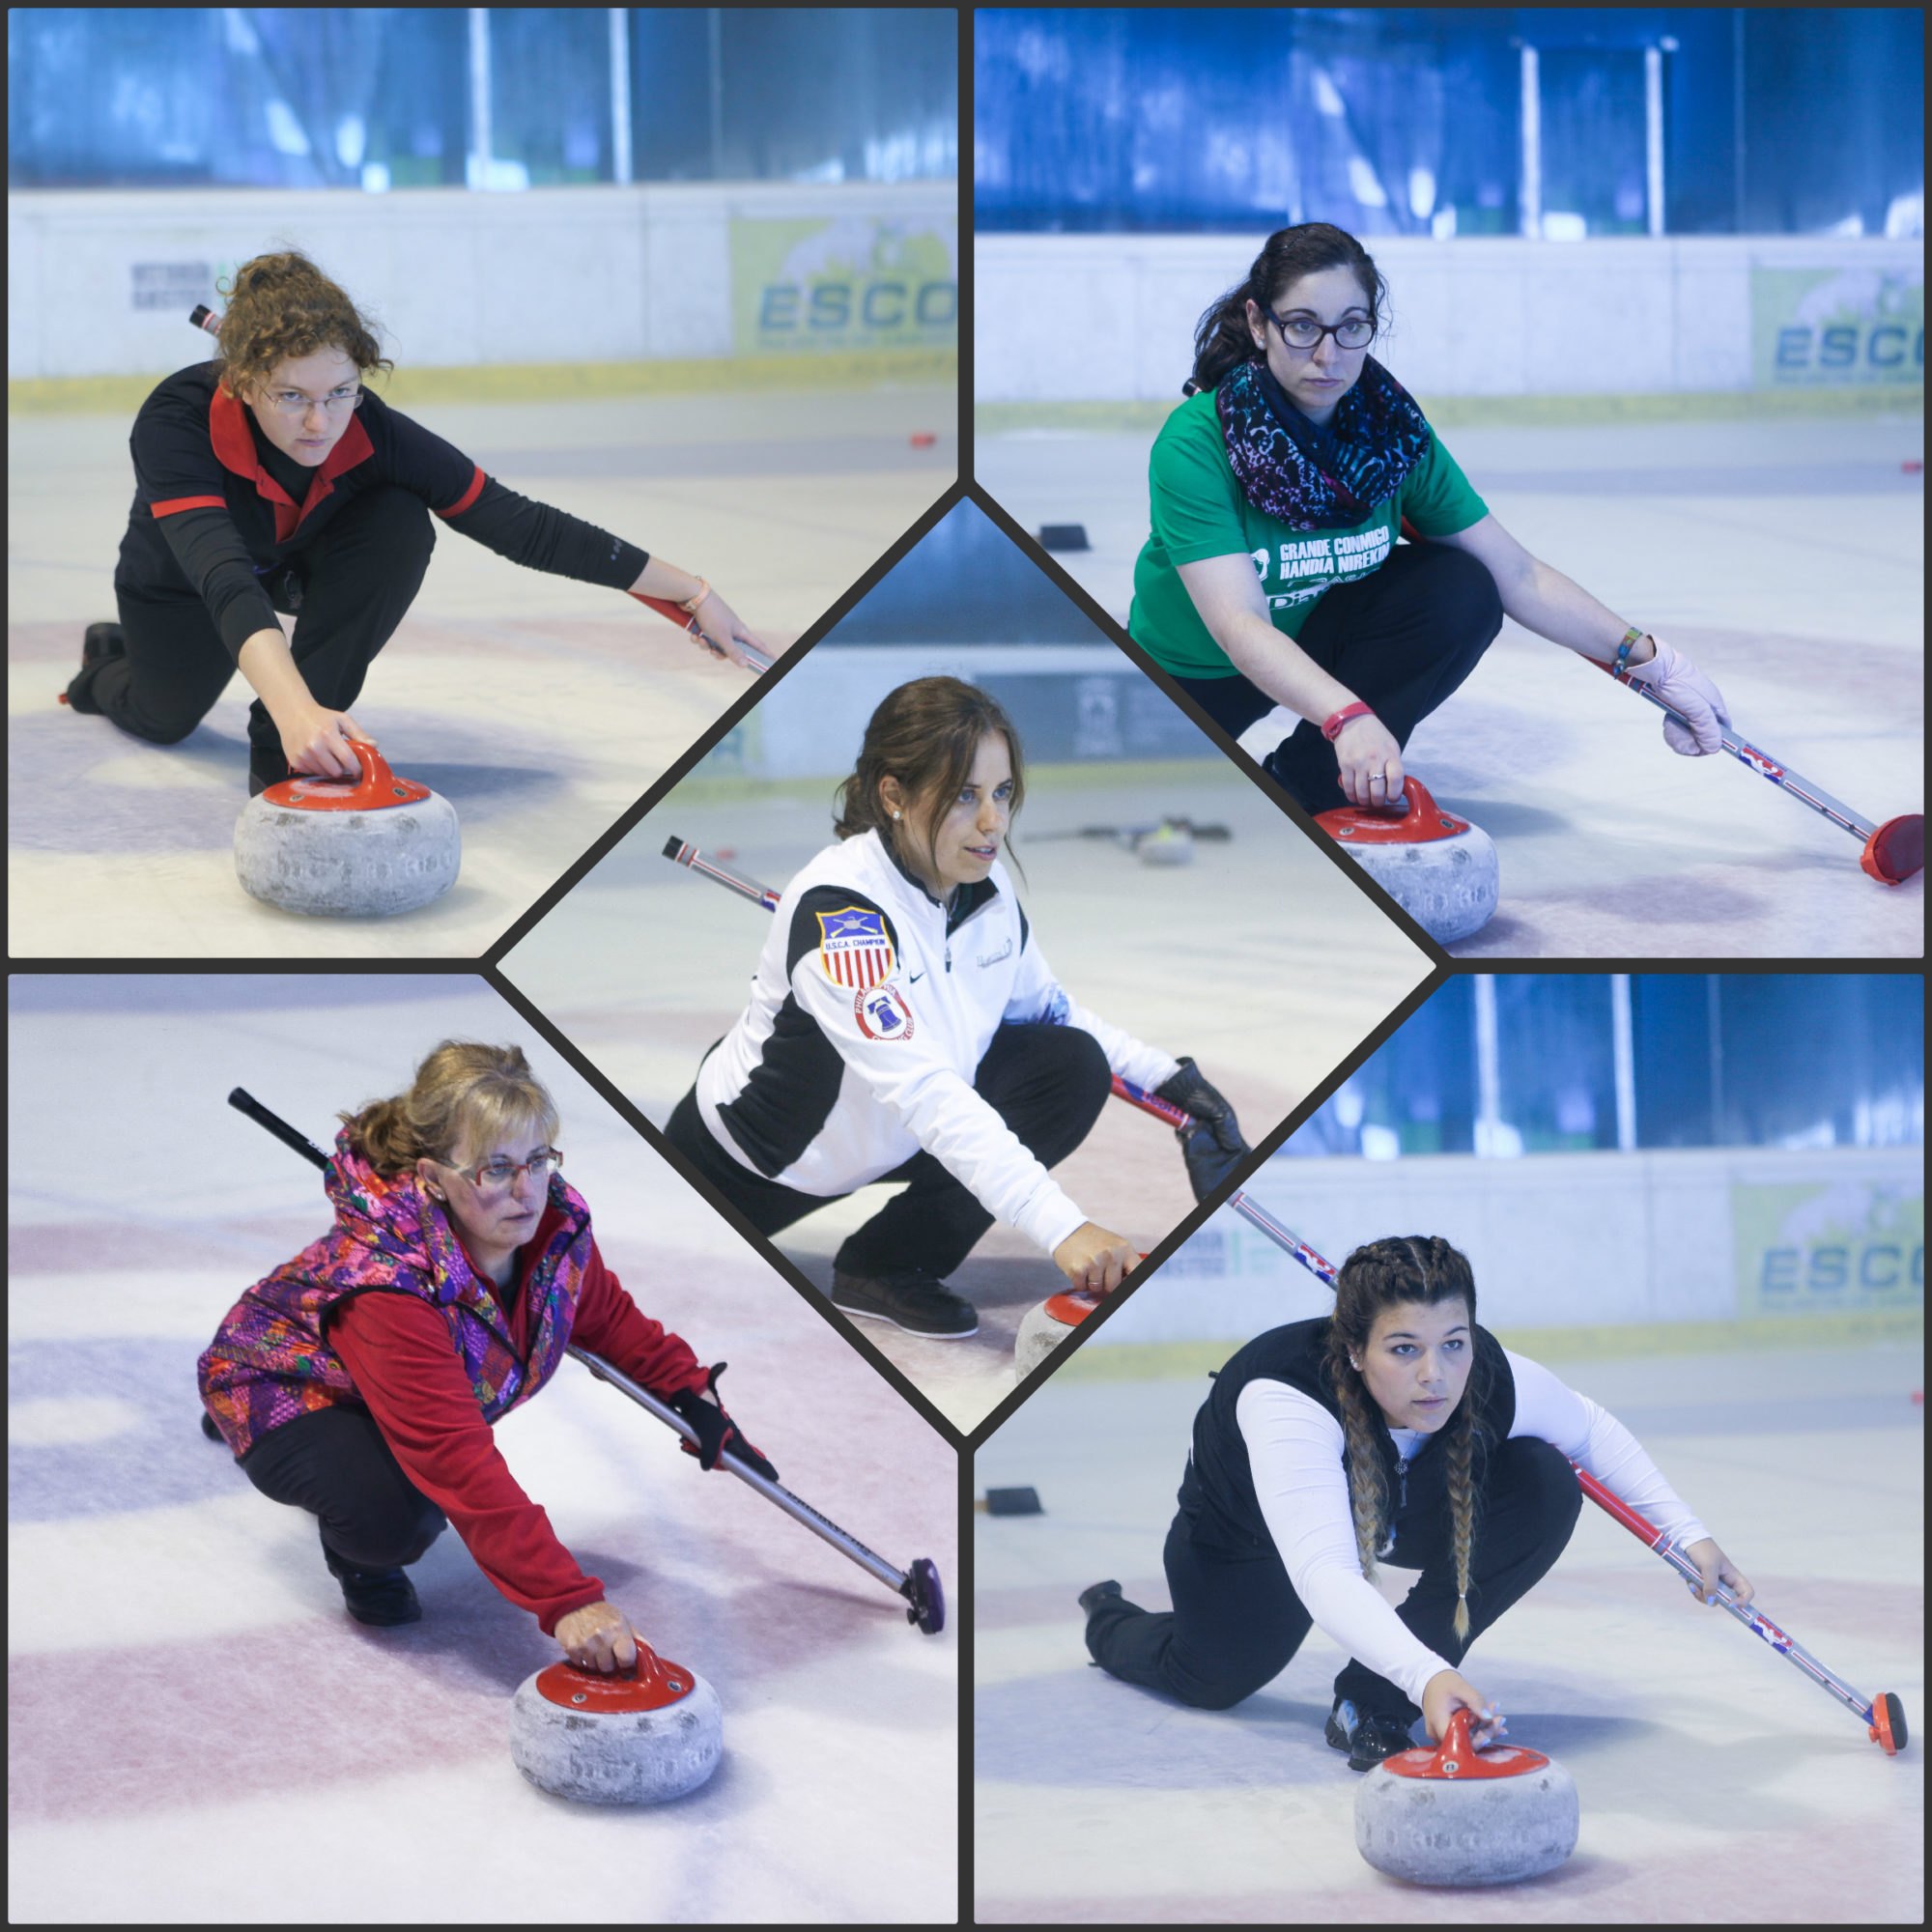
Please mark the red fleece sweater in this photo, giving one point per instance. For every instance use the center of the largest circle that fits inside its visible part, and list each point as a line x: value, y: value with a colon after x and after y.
x: 397, y: 1349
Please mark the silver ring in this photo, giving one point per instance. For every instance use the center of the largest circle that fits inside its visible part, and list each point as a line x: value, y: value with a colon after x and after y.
x: 1378, y: 778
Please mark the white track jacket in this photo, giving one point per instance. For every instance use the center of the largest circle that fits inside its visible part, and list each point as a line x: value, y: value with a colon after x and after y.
x: 871, y: 1012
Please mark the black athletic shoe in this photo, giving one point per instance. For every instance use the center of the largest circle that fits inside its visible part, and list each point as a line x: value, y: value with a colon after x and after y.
x: 1097, y: 1594
x: 101, y: 644
x: 1367, y: 1737
x: 380, y: 1596
x: 909, y: 1298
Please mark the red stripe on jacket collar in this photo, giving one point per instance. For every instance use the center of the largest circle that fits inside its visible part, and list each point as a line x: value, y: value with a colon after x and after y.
x: 234, y: 444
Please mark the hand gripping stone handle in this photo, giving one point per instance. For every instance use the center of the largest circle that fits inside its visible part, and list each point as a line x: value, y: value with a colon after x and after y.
x: 919, y: 1584
x: 1884, y: 1716
x: 681, y: 853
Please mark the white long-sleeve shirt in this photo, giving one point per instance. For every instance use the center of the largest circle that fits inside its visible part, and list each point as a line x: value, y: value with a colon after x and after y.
x: 871, y: 1010
x: 1295, y: 1454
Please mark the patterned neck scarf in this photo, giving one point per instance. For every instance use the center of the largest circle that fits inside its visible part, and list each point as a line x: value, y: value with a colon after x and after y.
x: 1327, y: 478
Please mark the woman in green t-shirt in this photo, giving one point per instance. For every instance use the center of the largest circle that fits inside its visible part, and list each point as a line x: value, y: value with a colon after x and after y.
x: 1272, y: 576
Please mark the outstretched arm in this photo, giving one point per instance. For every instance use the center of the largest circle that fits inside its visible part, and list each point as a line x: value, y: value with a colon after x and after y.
x: 1543, y: 600
x: 721, y: 625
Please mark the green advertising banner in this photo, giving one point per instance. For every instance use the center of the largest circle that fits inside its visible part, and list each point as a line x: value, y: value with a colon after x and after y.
x: 1832, y: 1247
x: 844, y: 283
x: 1816, y: 328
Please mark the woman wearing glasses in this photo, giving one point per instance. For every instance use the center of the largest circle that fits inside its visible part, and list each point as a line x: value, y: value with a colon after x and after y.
x: 271, y: 480
x: 1273, y: 574
x: 359, y: 1380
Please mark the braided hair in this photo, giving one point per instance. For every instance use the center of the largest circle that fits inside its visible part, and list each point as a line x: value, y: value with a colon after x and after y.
x: 1381, y: 1275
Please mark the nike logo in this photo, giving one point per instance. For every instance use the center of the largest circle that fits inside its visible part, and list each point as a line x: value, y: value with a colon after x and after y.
x: 913, y: 978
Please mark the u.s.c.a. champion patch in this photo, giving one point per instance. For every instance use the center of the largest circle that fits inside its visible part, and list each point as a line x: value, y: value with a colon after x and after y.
x: 853, y: 948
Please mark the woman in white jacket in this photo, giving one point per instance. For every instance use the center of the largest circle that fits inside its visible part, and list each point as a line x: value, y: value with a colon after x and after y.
x: 903, y: 1026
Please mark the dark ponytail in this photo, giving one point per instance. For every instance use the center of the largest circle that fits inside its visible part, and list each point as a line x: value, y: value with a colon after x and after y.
x: 1222, y: 337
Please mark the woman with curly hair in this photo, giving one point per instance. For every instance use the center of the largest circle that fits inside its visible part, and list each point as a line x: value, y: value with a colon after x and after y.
x: 903, y: 1025
x: 361, y: 1380
x: 1395, y: 1428
x: 271, y: 480
x: 1272, y: 576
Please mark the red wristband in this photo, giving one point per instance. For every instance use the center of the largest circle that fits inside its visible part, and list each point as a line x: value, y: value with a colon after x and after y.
x: 1331, y: 728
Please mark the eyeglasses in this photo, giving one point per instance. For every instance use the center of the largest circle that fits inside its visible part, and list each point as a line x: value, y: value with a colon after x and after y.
x: 495, y: 1177
x: 293, y: 404
x: 1304, y: 332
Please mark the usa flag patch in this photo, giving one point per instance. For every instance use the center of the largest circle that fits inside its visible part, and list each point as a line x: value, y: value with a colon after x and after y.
x: 853, y: 949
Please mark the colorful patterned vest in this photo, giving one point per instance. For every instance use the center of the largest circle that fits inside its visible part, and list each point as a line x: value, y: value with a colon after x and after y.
x: 269, y: 1361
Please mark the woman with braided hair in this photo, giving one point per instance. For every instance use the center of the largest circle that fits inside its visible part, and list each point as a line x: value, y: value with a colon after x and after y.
x: 1272, y: 576
x: 271, y: 480
x: 1394, y: 1430
x: 362, y: 1380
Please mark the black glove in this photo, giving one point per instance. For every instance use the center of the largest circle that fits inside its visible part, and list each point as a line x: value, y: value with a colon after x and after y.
x: 1214, y: 1145
x: 716, y: 1431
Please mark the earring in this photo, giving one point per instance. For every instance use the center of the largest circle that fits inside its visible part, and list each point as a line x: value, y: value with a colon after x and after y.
x: 896, y: 816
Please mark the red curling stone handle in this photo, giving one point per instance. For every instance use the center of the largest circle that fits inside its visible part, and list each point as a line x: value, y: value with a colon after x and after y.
x: 377, y: 787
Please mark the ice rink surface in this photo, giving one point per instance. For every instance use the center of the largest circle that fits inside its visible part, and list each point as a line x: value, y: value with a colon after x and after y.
x: 1785, y: 558
x: 198, y: 1734
x: 1716, y: 1786
x: 539, y: 706
x: 1262, y: 959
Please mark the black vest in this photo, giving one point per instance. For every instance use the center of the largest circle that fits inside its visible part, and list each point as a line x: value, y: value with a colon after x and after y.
x: 1217, y: 1493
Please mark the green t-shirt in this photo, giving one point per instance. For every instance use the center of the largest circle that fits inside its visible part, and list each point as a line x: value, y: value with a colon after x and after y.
x: 1198, y: 510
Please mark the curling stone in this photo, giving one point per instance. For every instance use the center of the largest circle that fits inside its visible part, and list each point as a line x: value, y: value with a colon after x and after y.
x: 636, y: 1738
x: 1045, y: 1327
x: 1438, y: 869
x: 1167, y: 844
x: 342, y: 848
x: 1454, y: 1815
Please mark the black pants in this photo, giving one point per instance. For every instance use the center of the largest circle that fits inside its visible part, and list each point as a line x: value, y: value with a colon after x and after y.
x: 1236, y: 1619
x: 1049, y: 1084
x: 347, y: 590
x: 1402, y: 639
x: 334, y: 1464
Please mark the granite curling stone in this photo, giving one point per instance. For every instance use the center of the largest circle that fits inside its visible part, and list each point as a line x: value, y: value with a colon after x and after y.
x: 1044, y: 1328
x: 347, y: 849
x: 1438, y: 869
x: 1454, y: 1815
x: 638, y: 1736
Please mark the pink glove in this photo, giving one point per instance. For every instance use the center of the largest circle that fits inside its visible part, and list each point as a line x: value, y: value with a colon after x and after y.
x: 1687, y: 692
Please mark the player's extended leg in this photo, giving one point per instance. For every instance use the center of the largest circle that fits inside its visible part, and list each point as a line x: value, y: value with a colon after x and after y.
x: 158, y: 673
x: 1235, y: 1624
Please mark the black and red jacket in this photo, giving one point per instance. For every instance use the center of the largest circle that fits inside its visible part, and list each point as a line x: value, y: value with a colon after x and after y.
x: 218, y: 507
